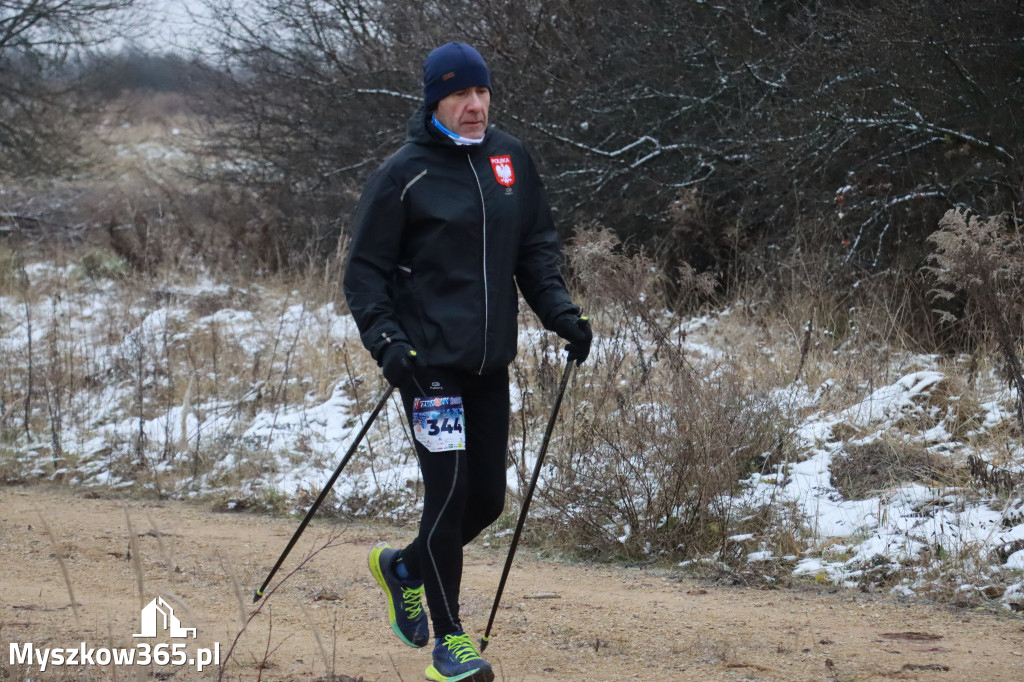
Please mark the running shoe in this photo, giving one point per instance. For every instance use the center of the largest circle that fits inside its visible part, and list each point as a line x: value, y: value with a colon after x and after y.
x: 405, y: 597
x: 456, y: 660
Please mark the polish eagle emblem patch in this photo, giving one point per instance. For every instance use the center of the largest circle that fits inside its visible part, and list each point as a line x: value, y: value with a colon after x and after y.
x: 503, y: 172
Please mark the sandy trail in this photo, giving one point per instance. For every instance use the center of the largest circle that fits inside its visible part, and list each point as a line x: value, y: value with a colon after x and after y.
x: 557, y: 621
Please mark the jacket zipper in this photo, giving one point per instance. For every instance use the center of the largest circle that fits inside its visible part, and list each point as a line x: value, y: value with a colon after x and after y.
x: 487, y: 312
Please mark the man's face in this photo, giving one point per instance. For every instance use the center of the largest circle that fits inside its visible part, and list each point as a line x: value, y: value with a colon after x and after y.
x: 464, y: 112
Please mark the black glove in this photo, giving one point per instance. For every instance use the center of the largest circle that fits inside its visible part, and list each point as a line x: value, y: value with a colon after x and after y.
x: 398, y: 363
x: 577, y: 331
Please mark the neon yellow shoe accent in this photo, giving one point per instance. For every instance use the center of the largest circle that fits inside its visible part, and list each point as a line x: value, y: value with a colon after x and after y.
x: 413, y: 600
x: 432, y: 674
x: 378, y: 575
x: 462, y: 661
x: 461, y: 648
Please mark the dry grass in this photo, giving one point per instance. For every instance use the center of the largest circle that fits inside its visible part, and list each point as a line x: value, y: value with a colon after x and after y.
x: 864, y: 471
x: 167, y: 345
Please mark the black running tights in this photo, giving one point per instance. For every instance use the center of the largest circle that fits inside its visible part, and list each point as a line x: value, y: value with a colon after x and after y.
x: 464, y: 490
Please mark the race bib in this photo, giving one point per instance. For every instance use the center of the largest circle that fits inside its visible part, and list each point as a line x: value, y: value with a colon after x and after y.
x: 438, y: 423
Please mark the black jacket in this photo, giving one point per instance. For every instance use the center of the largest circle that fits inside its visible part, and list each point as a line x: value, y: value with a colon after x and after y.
x: 442, y: 236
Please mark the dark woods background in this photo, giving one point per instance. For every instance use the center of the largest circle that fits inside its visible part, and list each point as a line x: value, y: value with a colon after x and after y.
x: 756, y: 140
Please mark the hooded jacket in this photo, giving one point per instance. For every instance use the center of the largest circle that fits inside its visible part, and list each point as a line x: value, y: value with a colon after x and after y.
x: 443, y: 234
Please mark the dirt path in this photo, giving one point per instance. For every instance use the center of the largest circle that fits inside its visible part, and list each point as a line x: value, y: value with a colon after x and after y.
x: 557, y: 621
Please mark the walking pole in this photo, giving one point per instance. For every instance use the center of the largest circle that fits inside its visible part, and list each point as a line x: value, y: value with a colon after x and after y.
x: 526, y: 502
x: 385, y: 394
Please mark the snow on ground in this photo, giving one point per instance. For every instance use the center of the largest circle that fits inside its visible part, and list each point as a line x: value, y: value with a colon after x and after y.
x: 906, y: 527
x: 241, y: 448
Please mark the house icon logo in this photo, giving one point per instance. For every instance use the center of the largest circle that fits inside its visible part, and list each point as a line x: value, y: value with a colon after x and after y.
x: 158, y: 615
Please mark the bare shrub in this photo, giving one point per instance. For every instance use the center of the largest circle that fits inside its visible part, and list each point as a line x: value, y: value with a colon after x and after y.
x: 983, y: 260
x: 659, y: 436
x: 657, y: 473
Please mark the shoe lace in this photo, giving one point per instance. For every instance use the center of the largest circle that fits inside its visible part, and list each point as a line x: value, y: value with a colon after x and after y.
x: 461, y: 647
x: 412, y: 598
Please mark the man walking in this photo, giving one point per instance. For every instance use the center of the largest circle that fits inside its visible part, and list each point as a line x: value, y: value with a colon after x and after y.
x: 445, y: 231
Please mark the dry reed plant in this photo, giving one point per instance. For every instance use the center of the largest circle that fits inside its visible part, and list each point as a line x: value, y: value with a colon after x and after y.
x: 984, y: 261
x: 58, y: 553
x: 136, y: 559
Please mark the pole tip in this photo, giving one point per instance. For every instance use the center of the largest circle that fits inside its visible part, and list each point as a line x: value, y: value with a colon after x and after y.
x: 256, y: 596
x: 483, y: 643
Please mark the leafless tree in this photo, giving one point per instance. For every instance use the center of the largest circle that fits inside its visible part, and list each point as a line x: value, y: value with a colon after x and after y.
x: 700, y: 129
x: 40, y: 101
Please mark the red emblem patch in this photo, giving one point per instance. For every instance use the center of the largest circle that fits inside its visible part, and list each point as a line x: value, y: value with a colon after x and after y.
x: 503, y: 172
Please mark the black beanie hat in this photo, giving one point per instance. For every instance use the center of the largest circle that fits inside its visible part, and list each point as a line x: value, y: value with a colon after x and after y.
x: 451, y: 68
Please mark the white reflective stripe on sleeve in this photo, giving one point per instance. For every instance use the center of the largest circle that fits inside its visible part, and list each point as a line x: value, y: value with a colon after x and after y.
x: 411, y: 183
